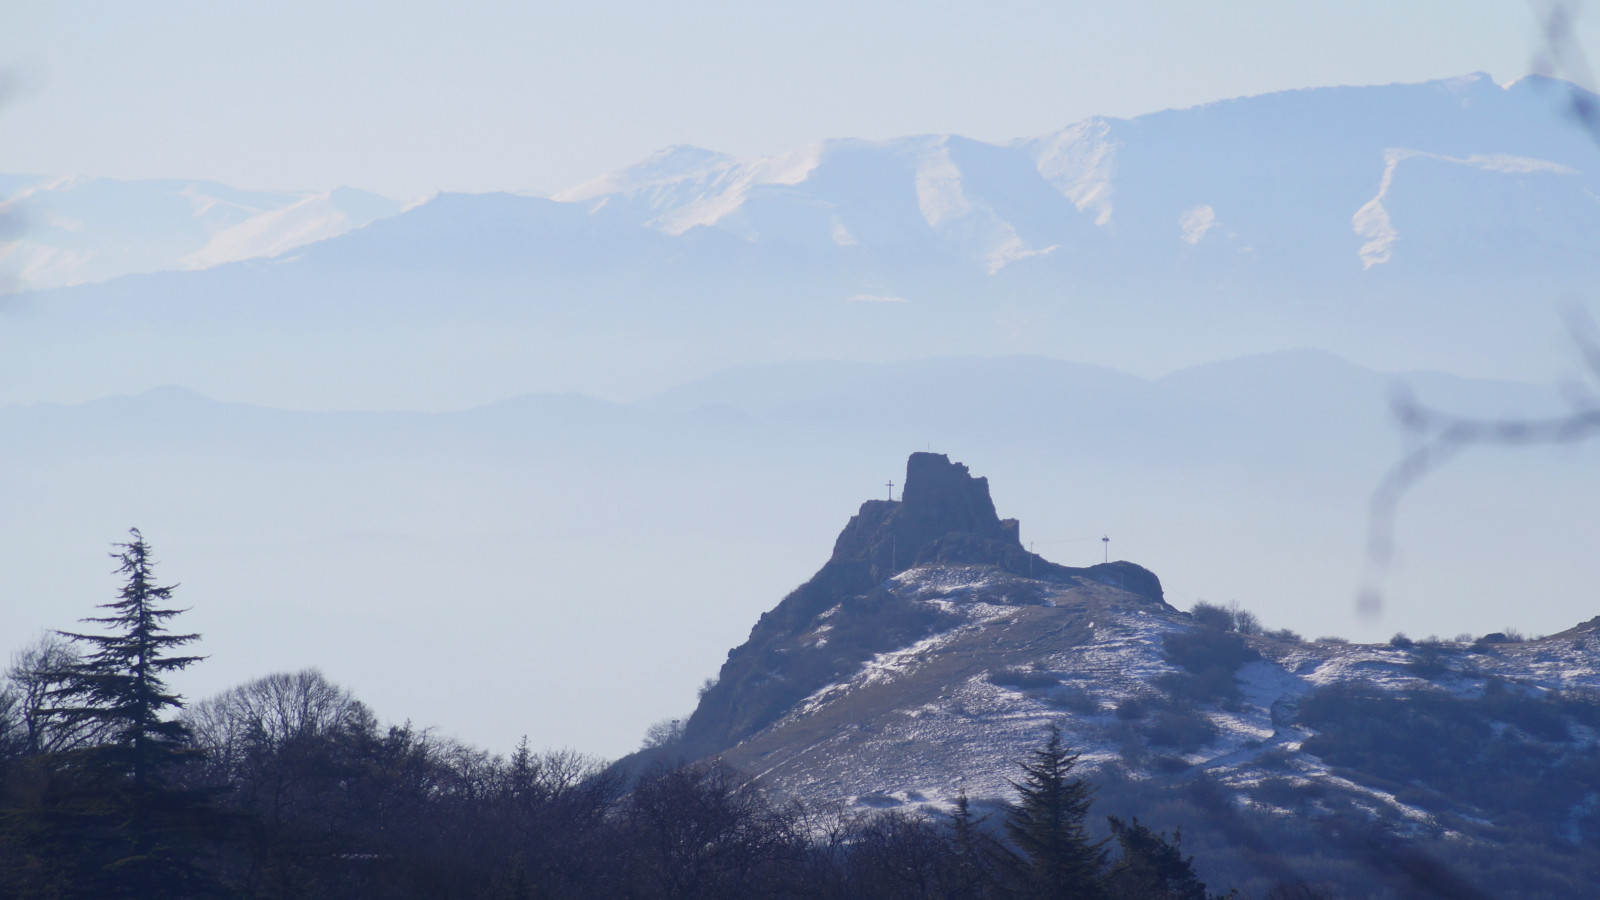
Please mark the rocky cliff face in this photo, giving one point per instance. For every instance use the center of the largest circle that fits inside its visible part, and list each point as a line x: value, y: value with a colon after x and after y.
x: 945, y: 517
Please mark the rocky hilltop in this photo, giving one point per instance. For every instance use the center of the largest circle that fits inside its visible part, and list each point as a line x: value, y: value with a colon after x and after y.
x: 856, y: 606
x: 931, y: 651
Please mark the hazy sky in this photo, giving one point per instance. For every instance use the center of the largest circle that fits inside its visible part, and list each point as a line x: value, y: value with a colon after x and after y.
x: 410, y: 98
x: 407, y: 99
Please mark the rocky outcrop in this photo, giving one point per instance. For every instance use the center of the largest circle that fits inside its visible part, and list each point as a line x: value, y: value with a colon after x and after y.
x: 945, y: 516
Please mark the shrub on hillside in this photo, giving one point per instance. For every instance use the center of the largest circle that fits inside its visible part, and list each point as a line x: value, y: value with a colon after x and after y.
x: 1132, y: 709
x: 1075, y: 699
x: 1211, y: 615
x: 1183, y: 730
x: 1023, y: 678
x: 1209, y: 658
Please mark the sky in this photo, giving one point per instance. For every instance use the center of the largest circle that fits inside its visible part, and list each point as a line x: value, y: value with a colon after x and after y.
x: 408, y: 99
x: 411, y: 98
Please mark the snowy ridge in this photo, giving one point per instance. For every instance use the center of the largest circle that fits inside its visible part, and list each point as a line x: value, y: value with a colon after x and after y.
x: 990, y: 205
x: 1396, y: 225
x: 75, y: 230
x: 954, y: 711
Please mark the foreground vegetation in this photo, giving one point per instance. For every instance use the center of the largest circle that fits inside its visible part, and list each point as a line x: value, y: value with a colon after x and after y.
x: 289, y: 787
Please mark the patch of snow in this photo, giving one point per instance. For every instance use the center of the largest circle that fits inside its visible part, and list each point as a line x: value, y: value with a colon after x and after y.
x: 1080, y: 162
x: 1011, y: 250
x: 1372, y: 221
x: 939, y: 193
x: 271, y: 233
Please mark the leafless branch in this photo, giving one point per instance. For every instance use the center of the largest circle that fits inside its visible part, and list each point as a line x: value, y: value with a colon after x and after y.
x: 1437, y: 436
x: 1562, y: 57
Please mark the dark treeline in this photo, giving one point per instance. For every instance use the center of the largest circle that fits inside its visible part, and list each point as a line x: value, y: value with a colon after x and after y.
x: 288, y: 787
x: 297, y: 792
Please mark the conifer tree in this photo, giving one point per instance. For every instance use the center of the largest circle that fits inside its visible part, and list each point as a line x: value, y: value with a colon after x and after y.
x: 1047, y: 825
x: 978, y: 858
x: 1150, y: 866
x: 135, y: 832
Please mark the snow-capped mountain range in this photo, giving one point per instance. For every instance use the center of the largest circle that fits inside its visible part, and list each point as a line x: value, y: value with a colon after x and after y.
x: 71, y: 230
x: 1402, y: 226
x: 1327, y: 177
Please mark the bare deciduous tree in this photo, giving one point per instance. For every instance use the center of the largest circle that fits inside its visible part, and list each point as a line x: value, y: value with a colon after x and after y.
x: 36, y: 673
x: 268, y: 712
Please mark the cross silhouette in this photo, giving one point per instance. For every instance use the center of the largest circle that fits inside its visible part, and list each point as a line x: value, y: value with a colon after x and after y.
x: 891, y: 491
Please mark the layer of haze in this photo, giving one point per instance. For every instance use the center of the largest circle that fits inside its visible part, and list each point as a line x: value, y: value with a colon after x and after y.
x: 408, y: 99
x: 571, y: 569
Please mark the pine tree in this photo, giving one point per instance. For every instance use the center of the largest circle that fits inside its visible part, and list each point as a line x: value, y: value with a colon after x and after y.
x: 1151, y: 867
x: 978, y: 858
x: 135, y: 833
x: 1047, y: 825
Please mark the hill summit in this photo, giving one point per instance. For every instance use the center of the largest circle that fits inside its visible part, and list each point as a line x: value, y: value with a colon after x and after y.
x: 932, y: 652
x: 850, y: 610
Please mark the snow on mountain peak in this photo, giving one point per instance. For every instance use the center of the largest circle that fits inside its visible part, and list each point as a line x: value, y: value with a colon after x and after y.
x: 1373, y: 222
x: 1080, y: 162
x: 81, y: 229
x: 667, y: 166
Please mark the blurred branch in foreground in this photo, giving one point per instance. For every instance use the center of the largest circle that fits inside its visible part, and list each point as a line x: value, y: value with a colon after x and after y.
x: 11, y: 220
x: 1436, y: 436
x: 1562, y: 57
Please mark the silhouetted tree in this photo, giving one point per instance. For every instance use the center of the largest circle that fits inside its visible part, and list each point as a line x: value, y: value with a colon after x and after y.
x: 1047, y: 825
x: 978, y: 857
x: 894, y: 856
x: 1150, y: 867
x: 38, y: 671
x: 702, y: 831
x: 108, y: 810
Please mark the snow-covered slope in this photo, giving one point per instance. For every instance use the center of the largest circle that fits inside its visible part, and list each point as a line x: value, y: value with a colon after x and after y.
x: 1339, y: 177
x: 955, y: 711
x: 65, y: 231
x: 909, y: 686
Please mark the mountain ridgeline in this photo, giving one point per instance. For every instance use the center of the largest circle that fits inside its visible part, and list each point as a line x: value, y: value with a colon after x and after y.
x: 944, y: 517
x: 1398, y: 225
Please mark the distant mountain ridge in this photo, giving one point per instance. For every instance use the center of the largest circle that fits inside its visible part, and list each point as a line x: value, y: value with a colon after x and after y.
x: 1402, y: 226
x: 74, y: 230
x: 1156, y: 180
